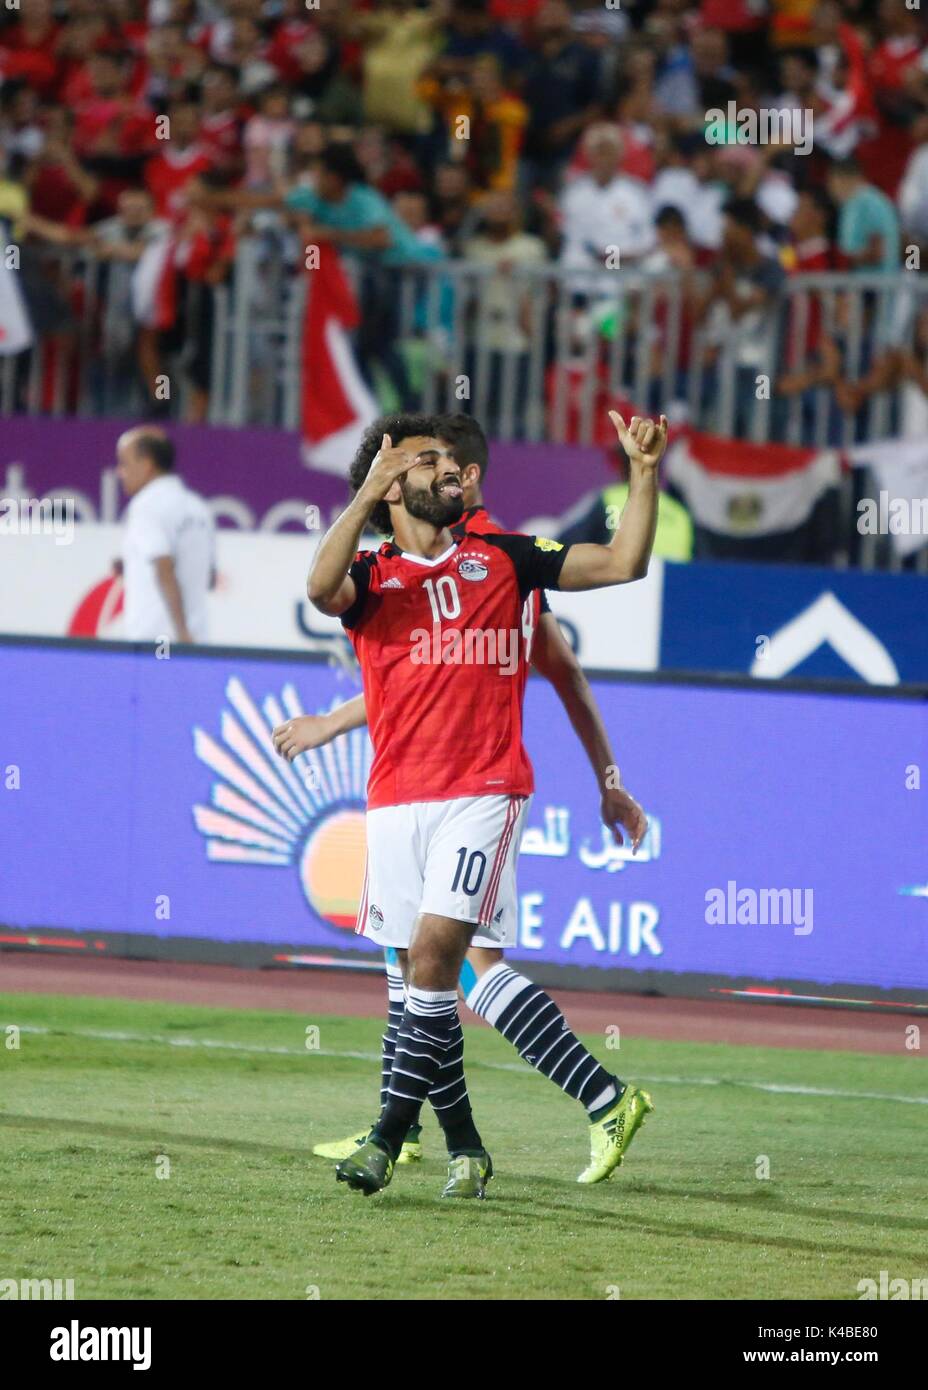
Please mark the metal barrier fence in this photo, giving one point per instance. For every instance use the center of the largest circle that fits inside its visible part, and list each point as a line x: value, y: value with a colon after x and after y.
x: 535, y: 353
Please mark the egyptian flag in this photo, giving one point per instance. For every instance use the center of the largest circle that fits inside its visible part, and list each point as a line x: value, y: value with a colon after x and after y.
x: 337, y: 405
x: 756, y: 500
x: 15, y: 323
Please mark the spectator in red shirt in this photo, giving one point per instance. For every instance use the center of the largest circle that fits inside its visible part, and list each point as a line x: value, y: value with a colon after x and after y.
x: 893, y: 63
x: 812, y: 356
x: 60, y: 188
x: 27, y: 49
x: 80, y: 38
x: 111, y: 121
x: 203, y: 251
x: 221, y: 119
x: 114, y: 131
x: 900, y: 47
x: 295, y: 25
x: 183, y: 158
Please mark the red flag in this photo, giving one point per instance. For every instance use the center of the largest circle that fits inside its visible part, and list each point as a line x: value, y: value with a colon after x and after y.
x: 337, y: 405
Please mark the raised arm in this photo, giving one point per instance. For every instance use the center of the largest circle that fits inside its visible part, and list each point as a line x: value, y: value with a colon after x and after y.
x: 329, y: 587
x: 626, y: 556
x: 554, y: 659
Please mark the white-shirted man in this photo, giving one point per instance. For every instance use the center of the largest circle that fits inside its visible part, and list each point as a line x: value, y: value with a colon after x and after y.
x: 605, y: 208
x: 168, y: 553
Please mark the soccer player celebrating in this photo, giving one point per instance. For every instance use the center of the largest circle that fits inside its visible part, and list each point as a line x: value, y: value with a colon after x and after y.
x: 521, y: 1011
x: 431, y: 616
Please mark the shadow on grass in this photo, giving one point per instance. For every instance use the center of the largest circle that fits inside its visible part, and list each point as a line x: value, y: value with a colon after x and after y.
x: 159, y: 1138
x: 768, y: 1198
x: 541, y: 1196
x: 629, y: 1220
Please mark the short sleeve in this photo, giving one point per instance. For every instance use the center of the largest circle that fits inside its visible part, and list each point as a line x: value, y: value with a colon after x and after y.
x: 361, y: 571
x: 369, y: 209
x: 537, y: 561
x: 150, y: 537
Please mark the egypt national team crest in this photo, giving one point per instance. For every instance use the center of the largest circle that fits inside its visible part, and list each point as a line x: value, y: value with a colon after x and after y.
x: 471, y: 568
x: 263, y: 810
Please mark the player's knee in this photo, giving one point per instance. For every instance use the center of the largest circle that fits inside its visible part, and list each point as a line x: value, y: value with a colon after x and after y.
x: 483, y: 958
x: 430, y: 964
x: 429, y: 969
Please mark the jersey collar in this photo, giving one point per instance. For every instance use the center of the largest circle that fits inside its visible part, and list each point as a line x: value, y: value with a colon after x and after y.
x: 438, y: 560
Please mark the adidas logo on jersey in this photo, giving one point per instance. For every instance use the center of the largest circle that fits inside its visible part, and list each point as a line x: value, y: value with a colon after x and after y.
x: 393, y: 583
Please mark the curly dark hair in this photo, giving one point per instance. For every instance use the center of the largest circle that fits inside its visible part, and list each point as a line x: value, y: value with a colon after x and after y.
x: 398, y: 427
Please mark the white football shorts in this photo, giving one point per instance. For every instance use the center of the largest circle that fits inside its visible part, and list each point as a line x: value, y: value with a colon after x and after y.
x: 453, y: 858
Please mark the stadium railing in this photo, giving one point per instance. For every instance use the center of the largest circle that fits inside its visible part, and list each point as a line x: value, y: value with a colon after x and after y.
x: 536, y: 354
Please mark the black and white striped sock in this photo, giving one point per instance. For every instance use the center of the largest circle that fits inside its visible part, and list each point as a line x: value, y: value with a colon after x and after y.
x: 533, y: 1023
x: 449, y: 1098
x: 422, y: 1043
x: 396, y: 1003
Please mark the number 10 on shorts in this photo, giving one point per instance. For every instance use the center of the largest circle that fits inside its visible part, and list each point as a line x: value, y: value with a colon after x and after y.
x: 469, y: 872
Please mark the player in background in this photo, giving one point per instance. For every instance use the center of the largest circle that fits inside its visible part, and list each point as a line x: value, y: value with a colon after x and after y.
x: 438, y: 777
x: 521, y: 1011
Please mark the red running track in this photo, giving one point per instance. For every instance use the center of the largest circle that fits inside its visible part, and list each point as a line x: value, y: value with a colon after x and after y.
x: 336, y: 992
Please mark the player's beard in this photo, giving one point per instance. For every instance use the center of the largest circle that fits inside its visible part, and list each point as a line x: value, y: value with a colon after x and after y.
x: 427, y: 504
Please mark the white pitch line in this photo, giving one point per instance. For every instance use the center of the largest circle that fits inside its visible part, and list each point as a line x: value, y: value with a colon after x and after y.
x: 219, y: 1044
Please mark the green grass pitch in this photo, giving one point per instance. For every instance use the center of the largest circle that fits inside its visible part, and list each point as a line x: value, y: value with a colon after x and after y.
x: 99, y: 1092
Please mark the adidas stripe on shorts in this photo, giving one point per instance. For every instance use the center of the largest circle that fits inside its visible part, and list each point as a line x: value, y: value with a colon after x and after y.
x: 453, y: 858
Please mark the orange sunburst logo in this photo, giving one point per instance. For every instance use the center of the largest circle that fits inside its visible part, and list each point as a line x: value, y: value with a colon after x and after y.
x: 266, y: 811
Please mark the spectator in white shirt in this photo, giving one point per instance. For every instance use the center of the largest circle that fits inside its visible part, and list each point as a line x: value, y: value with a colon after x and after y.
x: 688, y: 181
x: 605, y: 211
x: 168, y: 549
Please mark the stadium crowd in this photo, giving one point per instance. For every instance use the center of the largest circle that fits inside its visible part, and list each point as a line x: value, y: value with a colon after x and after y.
x: 504, y: 133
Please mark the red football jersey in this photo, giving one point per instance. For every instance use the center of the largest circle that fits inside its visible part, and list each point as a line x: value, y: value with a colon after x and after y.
x: 479, y: 519
x: 167, y: 175
x: 443, y: 650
